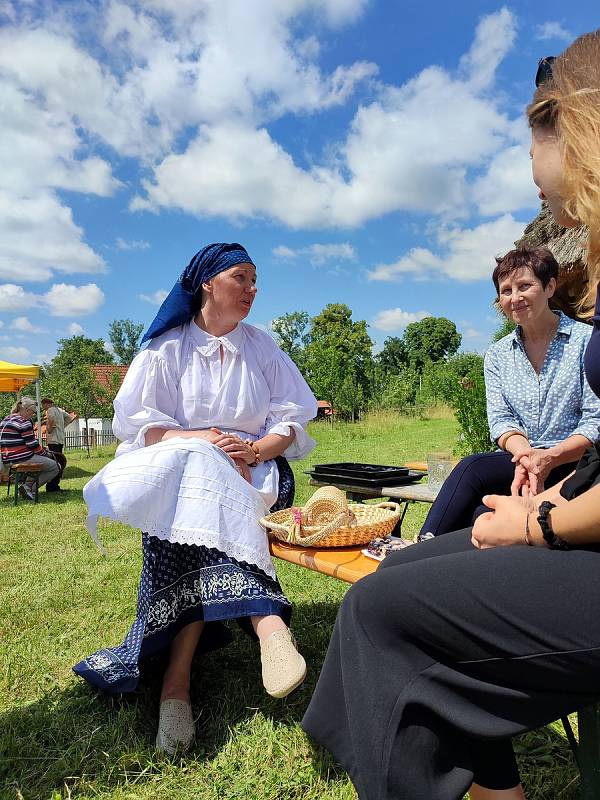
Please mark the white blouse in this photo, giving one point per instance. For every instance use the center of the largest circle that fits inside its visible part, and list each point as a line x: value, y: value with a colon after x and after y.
x: 180, y: 382
x: 187, y: 490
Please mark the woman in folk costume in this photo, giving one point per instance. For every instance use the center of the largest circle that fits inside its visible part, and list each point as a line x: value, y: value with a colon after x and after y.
x: 205, y: 416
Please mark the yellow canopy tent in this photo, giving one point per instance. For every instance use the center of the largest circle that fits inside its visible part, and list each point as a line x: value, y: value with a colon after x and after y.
x: 13, y: 377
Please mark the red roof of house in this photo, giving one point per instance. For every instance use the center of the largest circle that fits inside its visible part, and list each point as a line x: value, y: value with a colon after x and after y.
x: 104, y: 372
x: 323, y: 404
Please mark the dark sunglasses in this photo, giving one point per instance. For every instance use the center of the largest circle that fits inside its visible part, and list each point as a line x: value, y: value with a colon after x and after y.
x: 544, y: 70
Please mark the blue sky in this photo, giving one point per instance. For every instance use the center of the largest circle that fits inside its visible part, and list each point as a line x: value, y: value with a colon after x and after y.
x: 365, y: 152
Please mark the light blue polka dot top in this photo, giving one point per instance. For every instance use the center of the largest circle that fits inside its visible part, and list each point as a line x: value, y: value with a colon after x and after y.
x: 548, y: 407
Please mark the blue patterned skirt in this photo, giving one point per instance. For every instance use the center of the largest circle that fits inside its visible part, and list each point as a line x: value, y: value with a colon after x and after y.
x: 182, y: 583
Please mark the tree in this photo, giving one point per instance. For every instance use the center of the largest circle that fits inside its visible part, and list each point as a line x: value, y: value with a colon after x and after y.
x: 70, y: 381
x: 77, y: 350
x: 400, y: 390
x: 442, y: 380
x: 507, y: 326
x: 393, y: 358
x: 339, y: 363
x: 471, y: 414
x: 292, y: 335
x: 125, y: 335
x: 430, y: 340
x: 78, y: 389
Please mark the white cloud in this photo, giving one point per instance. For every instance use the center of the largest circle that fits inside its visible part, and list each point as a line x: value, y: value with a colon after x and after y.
x: 317, y: 253
x: 178, y: 64
x: 393, y: 319
x: 494, y: 38
x: 156, y: 298
x: 7, y: 10
x: 15, y: 298
x: 169, y: 72
x: 284, y: 252
x: 38, y: 236
x: 507, y: 185
x: 553, y: 30
x: 109, y: 348
x: 18, y: 355
x: 41, y: 153
x: 465, y: 254
x: 39, y: 148
x: 408, y: 150
x: 472, y: 333
x: 132, y: 244
x: 62, y: 300
x: 75, y: 329
x: 23, y: 324
x: 419, y: 262
x: 66, y: 300
x: 43, y: 358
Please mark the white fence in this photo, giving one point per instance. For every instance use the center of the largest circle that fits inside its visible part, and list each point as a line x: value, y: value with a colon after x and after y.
x: 79, y: 441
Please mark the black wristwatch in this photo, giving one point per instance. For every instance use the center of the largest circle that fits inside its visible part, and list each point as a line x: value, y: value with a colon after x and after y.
x: 553, y: 541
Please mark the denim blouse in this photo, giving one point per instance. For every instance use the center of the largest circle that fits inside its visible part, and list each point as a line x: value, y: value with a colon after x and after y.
x: 549, y: 407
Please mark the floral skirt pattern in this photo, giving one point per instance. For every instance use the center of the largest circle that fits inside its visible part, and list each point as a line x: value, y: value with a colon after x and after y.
x: 183, y: 583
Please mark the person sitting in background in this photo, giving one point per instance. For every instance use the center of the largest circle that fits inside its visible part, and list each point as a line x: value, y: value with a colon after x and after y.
x: 541, y: 411
x: 18, y: 443
x: 56, y: 420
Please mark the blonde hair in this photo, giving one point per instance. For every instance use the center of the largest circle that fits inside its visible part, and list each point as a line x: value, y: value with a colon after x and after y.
x: 569, y: 102
x: 23, y: 402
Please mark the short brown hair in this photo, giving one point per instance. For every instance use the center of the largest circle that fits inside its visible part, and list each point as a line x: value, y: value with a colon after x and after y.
x: 539, y: 259
x: 47, y: 400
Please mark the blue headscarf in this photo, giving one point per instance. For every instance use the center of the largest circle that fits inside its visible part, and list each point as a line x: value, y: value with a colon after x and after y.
x: 178, y: 306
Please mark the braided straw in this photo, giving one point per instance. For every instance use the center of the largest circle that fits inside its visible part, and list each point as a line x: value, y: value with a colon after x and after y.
x: 330, y: 521
x: 326, y: 504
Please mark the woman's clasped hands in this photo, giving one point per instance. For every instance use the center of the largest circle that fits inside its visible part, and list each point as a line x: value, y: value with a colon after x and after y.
x: 238, y: 449
x: 532, y: 468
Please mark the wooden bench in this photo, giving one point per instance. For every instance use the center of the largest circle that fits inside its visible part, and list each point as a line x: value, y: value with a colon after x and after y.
x: 19, y: 473
x: 349, y: 564
x: 345, y: 563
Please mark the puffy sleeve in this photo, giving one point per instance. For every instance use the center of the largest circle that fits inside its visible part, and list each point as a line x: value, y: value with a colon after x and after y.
x: 292, y: 403
x: 147, y: 399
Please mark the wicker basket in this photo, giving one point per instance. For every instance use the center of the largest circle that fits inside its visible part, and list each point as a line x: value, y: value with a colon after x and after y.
x: 330, y: 521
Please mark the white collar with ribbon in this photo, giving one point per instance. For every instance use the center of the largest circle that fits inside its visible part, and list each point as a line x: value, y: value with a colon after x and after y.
x: 207, y: 344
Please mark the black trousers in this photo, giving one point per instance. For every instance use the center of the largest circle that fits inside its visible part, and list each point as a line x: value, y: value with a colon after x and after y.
x: 54, y: 484
x: 445, y: 653
x: 458, y: 503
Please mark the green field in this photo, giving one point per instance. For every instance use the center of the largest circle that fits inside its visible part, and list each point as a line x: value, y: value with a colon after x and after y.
x: 60, y: 600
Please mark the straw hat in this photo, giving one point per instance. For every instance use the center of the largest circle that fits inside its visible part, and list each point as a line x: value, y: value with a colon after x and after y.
x: 329, y: 520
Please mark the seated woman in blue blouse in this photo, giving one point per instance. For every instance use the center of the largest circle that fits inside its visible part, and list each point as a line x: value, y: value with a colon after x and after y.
x: 541, y: 410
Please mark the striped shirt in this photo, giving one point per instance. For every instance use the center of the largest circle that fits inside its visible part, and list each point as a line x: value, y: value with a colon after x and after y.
x: 17, y: 439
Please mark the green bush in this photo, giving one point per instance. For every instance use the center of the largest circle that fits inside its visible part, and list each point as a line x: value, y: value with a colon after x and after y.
x: 471, y: 414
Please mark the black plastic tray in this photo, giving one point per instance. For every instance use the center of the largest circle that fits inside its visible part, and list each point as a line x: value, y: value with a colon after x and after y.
x: 350, y: 480
x: 356, y: 470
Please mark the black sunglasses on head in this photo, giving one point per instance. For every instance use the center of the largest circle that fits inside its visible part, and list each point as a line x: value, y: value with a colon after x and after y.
x: 544, y: 70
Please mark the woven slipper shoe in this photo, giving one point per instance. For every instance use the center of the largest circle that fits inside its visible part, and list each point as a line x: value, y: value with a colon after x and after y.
x: 283, y: 668
x: 175, y: 726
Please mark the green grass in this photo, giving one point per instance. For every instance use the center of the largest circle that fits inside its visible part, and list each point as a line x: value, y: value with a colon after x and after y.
x: 60, y: 600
